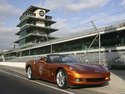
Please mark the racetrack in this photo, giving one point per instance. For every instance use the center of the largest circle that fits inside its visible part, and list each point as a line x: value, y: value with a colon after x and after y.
x: 14, y: 81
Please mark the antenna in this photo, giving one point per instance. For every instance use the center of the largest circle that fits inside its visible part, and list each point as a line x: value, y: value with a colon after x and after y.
x: 41, y: 3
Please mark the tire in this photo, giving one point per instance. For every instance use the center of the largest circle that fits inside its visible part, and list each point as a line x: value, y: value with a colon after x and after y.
x: 29, y: 73
x: 61, y: 79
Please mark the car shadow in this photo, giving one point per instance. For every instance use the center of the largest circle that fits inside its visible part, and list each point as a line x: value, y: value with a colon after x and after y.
x: 89, y: 86
x: 76, y: 86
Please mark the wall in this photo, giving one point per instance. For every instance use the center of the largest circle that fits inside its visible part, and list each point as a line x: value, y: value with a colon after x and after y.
x: 14, y: 64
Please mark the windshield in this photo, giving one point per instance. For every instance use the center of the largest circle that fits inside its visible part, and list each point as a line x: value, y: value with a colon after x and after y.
x: 62, y: 59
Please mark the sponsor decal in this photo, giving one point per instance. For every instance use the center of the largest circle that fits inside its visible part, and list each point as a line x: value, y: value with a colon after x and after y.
x: 40, y: 70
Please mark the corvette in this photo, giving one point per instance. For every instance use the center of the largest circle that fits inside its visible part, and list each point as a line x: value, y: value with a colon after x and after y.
x: 66, y: 71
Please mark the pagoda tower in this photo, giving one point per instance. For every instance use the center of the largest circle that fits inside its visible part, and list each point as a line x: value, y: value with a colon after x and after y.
x: 35, y: 27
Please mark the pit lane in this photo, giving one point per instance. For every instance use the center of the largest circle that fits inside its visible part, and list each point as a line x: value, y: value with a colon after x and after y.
x: 14, y: 81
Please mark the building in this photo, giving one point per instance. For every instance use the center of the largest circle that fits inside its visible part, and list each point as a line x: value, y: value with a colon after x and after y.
x: 35, y: 27
x: 35, y: 40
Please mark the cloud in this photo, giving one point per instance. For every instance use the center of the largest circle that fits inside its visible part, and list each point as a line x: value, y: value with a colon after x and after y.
x: 7, y: 37
x: 86, y: 4
x: 63, y: 24
x: 123, y: 2
x: 7, y: 10
x: 107, y: 19
x: 72, y: 5
x: 53, y: 4
x: 67, y: 28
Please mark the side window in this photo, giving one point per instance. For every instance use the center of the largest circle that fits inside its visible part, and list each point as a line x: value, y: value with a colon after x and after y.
x: 66, y: 59
x: 48, y: 60
x: 55, y: 59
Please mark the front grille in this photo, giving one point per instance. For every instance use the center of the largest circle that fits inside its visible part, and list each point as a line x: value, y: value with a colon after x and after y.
x: 95, y: 79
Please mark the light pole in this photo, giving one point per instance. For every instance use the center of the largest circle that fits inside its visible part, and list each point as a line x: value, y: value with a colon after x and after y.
x: 99, y: 41
x: 51, y: 46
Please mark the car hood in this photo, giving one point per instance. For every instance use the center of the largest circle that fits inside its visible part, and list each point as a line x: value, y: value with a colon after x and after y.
x: 89, y: 68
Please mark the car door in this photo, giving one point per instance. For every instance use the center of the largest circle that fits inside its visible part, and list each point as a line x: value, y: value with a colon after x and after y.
x: 39, y: 69
x: 44, y: 70
x: 47, y: 71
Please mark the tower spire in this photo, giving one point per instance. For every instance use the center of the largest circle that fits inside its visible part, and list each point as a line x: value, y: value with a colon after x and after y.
x: 40, y: 3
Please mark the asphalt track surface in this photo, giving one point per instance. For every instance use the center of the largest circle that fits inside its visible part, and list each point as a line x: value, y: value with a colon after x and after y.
x: 14, y: 81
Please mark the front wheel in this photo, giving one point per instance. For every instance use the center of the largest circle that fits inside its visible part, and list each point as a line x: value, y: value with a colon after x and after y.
x: 29, y: 73
x: 61, y: 79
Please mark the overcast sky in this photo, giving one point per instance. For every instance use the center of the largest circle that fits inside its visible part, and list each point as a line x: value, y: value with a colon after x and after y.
x: 72, y: 16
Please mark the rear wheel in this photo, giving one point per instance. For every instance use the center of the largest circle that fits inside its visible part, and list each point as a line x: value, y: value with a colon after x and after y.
x: 61, y: 79
x: 29, y: 73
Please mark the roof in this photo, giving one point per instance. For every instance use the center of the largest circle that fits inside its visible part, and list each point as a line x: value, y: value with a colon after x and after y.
x: 33, y: 8
x: 36, y: 18
x: 88, y: 33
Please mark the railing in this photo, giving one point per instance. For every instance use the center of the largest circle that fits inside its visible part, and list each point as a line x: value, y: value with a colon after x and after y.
x: 27, y: 45
x: 9, y: 57
x: 24, y: 26
x: 48, y: 17
x: 27, y: 14
x: 92, y: 31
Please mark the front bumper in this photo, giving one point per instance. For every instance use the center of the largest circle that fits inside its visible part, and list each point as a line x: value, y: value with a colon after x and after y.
x: 82, y: 79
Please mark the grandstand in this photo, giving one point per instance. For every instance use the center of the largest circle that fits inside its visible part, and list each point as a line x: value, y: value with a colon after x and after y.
x: 112, y: 50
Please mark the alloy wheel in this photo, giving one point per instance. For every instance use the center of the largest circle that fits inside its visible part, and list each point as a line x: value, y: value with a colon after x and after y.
x: 61, y: 79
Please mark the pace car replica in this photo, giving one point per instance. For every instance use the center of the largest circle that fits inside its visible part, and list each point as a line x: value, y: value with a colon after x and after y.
x: 66, y: 71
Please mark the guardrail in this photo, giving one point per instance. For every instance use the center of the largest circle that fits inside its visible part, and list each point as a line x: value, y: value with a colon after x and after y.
x: 14, y: 64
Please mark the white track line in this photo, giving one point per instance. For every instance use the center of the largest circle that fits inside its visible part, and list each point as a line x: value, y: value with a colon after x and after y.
x: 37, y: 82
x: 15, y: 71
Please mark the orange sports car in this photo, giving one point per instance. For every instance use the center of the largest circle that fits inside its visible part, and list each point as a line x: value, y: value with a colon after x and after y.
x: 66, y: 71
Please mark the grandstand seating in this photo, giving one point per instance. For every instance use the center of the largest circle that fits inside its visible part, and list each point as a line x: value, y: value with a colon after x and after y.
x: 107, y: 58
